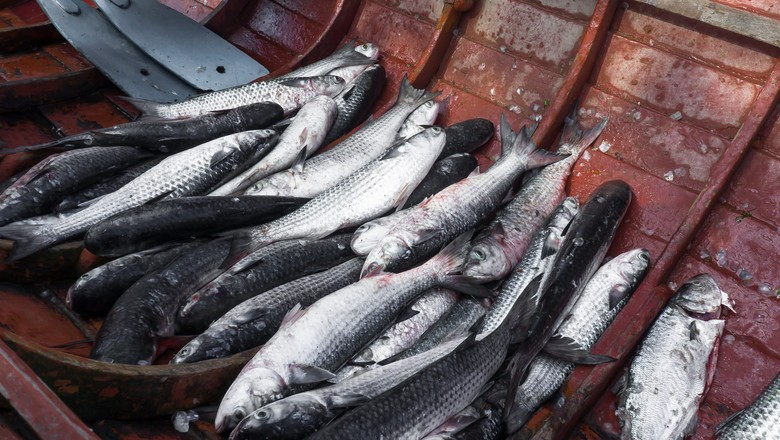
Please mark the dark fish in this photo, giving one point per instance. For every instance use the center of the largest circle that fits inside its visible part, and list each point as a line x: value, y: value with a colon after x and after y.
x: 146, y: 311
x: 105, y: 186
x: 272, y: 265
x: 95, y: 292
x: 51, y: 179
x: 586, y: 242
x: 467, y: 136
x: 443, y: 173
x: 173, y: 135
x: 149, y: 225
x: 251, y: 323
x: 355, y: 102
x: 760, y: 420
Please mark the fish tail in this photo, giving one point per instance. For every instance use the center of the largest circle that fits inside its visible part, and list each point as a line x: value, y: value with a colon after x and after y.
x: 410, y: 95
x: 28, y: 239
x: 524, y: 147
x: 149, y: 109
x: 574, y: 140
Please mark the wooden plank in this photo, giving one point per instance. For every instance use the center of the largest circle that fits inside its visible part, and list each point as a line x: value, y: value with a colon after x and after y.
x: 725, y: 17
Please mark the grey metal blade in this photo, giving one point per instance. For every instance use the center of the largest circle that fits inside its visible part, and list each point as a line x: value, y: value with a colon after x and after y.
x: 197, y: 55
x: 113, y: 54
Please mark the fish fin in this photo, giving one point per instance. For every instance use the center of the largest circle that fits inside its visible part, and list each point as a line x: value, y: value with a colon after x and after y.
x: 467, y: 286
x: 694, y: 331
x: 577, y: 145
x: 726, y: 302
x: 616, y: 295
x: 92, y: 201
x: 394, y: 151
x: 549, y: 247
x: 28, y: 239
x: 507, y: 135
x: 497, y: 231
x: 540, y: 158
x: 349, y: 56
x: 429, y: 234
x: 403, y: 196
x: 241, y: 246
x: 302, y: 374
x: 571, y: 132
x: 294, y: 314
x: 409, y: 95
x: 691, y: 426
x: 722, y: 425
x: 149, y: 109
x: 221, y: 156
x: 568, y: 349
x: 251, y: 315
x: 348, y: 400
x: 297, y: 166
x: 526, y: 308
x: 452, y: 257
x: 407, y: 314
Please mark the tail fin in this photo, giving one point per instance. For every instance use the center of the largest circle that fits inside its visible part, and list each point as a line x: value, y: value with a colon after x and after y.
x: 507, y: 135
x: 574, y: 141
x: 149, y: 109
x: 524, y: 147
x: 28, y: 239
x: 408, y: 95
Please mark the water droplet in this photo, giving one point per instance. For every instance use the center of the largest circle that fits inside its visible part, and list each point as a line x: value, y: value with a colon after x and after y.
x: 604, y: 146
x: 765, y: 288
x: 481, y: 66
x: 728, y: 339
x: 578, y: 241
x: 536, y: 108
x: 648, y: 231
x: 676, y: 116
x: 744, y: 275
x: 502, y: 49
x: 519, y: 91
x: 669, y: 176
x: 704, y: 254
x: 637, y: 115
x: 341, y: 247
x: 493, y: 91
x: 515, y: 109
x: 672, y: 285
x: 514, y: 65
x: 586, y: 155
x: 703, y: 148
x: 720, y: 258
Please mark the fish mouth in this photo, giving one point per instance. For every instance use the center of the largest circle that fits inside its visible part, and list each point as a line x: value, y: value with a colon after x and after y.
x: 371, y: 270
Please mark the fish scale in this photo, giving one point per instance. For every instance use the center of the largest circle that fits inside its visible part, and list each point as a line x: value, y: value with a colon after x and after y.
x: 321, y: 338
x: 759, y: 421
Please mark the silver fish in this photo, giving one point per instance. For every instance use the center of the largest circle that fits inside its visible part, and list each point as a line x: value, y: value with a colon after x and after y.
x: 669, y: 373
x: 429, y: 308
x: 369, y: 234
x: 300, y: 140
x: 301, y: 414
x: 366, y: 194
x: 759, y: 421
x: 345, y: 56
x: 190, y: 172
x: 425, y: 115
x: 313, y: 342
x: 458, y: 207
x: 289, y: 93
x: 536, y: 260
x: 499, y: 247
x: 325, y: 170
x: 601, y: 300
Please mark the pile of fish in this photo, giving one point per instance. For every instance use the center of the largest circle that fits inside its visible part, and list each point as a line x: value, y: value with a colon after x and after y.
x: 393, y: 290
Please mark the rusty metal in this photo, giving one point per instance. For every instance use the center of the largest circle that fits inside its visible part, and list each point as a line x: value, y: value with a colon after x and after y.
x: 28, y: 394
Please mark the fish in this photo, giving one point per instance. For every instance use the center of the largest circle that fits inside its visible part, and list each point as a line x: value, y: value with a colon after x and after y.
x: 190, y: 172
x: 416, y: 122
x: 759, y: 421
x: 167, y: 136
x: 251, y: 323
x: 325, y: 170
x: 413, y: 322
x: 368, y: 193
x: 355, y: 102
x: 498, y: 249
x: 443, y: 173
x: 347, y: 55
x: 154, y: 224
x: 314, y: 342
x: 301, y: 414
x: 302, y: 138
x: 457, y: 208
x: 459, y: 319
x: 271, y: 266
x: 47, y: 182
x: 424, y: 401
x: 467, y: 136
x: 146, y: 311
x: 601, y: 300
x: 674, y: 364
x: 587, y: 239
x: 96, y: 291
x: 537, y: 260
x: 289, y: 93
x: 110, y: 184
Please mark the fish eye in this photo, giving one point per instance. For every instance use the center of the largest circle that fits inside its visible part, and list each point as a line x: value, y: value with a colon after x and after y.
x: 363, y: 228
x: 479, y: 255
x: 262, y: 414
x: 184, y: 351
x: 238, y: 414
x: 696, y: 283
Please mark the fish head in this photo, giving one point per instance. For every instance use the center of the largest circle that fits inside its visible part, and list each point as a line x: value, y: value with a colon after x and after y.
x: 253, y: 389
x: 252, y: 139
x: 369, y: 50
x: 367, y: 237
x: 701, y: 297
x: 426, y: 145
x: 293, y: 417
x: 425, y: 114
x: 486, y: 260
x: 329, y: 85
x: 348, y: 74
x: 201, y: 348
x: 633, y: 265
x: 390, y: 250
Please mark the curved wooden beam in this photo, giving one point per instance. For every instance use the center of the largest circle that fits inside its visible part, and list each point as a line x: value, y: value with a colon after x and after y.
x: 32, y: 92
x: 19, y: 38
x: 588, y: 383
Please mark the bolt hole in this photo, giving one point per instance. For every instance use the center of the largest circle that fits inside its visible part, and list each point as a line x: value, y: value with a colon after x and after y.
x: 144, y: 72
x: 221, y: 69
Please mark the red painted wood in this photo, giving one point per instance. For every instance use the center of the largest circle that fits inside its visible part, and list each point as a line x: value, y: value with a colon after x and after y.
x: 28, y: 394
